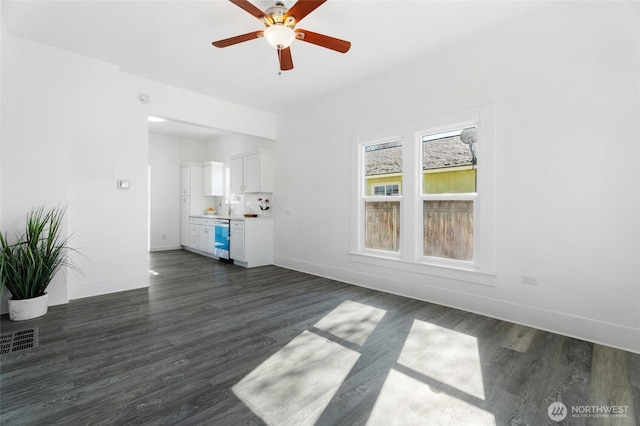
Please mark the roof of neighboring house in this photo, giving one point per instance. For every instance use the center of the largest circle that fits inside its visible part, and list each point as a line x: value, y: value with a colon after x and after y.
x: 437, y: 154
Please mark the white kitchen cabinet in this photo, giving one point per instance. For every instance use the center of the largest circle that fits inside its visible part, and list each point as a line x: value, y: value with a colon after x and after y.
x: 251, y: 242
x: 252, y: 172
x: 213, y: 179
x: 194, y: 236
x: 201, y: 234
x: 191, y: 200
x: 236, y: 180
x: 185, y: 180
x: 185, y: 211
x: 236, y: 241
x: 191, y: 179
x: 207, y: 238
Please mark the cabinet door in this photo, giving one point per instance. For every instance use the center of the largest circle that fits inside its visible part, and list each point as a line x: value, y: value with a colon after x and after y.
x: 213, y: 179
x: 251, y: 173
x: 185, y: 208
x: 235, y: 180
x: 195, y: 187
x: 185, y: 180
x: 207, y: 177
x: 194, y: 236
x: 236, y: 244
x: 217, y: 179
x: 207, y: 238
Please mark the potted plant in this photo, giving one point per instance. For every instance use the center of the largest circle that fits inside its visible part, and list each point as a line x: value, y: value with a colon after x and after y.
x: 28, y: 265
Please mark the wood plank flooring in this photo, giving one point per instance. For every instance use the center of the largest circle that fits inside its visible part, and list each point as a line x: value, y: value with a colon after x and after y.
x: 211, y: 343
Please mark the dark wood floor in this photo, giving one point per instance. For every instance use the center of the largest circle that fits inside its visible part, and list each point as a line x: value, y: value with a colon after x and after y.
x: 211, y: 343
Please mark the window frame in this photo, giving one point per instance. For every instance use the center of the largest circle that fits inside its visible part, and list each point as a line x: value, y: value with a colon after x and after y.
x: 448, y: 196
x: 410, y: 257
x: 364, y: 199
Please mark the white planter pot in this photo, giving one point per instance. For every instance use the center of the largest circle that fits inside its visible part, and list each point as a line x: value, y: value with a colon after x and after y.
x: 24, y: 309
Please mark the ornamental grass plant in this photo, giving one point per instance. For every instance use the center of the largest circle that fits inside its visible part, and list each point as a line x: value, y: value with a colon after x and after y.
x: 28, y: 265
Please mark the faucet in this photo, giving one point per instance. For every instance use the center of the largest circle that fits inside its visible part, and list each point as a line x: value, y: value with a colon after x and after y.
x: 229, y: 204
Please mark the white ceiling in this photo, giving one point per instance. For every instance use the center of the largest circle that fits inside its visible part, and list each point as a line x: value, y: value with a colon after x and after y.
x: 170, y: 41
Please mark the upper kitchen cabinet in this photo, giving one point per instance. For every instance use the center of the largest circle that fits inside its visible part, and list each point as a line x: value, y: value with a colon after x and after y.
x: 190, y: 179
x: 212, y: 179
x: 185, y: 180
x: 252, y: 172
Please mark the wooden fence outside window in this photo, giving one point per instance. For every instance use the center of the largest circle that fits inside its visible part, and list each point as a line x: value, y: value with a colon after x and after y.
x: 382, y: 225
x: 448, y: 229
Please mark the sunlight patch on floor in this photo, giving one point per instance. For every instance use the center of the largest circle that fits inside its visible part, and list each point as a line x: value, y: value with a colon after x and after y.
x: 295, y: 384
x: 448, y: 356
x: 351, y: 321
x: 405, y: 401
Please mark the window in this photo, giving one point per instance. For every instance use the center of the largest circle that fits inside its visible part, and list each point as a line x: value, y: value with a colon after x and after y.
x: 424, y: 199
x: 449, y: 189
x: 383, y: 176
x: 390, y: 189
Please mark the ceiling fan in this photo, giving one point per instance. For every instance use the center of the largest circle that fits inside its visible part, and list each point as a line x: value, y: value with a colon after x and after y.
x: 280, y: 29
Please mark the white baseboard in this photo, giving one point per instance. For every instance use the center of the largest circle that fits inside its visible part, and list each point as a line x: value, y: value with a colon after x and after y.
x: 588, y: 329
x: 165, y: 248
x: 114, y: 285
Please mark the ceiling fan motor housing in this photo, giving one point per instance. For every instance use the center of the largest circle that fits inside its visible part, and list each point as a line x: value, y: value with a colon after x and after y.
x: 276, y: 15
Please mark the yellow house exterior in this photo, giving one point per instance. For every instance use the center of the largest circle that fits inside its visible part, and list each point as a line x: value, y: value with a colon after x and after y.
x: 380, y: 180
x: 460, y: 179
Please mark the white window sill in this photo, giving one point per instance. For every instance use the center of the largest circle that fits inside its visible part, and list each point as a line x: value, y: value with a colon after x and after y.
x: 464, y: 274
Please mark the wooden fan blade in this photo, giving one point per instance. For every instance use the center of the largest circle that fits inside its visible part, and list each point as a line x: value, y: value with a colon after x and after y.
x: 286, y: 61
x: 237, y: 39
x: 302, y: 8
x: 248, y: 7
x: 332, y: 43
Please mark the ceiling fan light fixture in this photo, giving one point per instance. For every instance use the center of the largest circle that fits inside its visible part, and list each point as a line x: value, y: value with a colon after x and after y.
x: 279, y: 36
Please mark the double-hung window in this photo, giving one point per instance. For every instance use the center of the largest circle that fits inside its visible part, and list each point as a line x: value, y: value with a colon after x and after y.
x: 449, y: 190
x: 424, y: 195
x: 382, y: 199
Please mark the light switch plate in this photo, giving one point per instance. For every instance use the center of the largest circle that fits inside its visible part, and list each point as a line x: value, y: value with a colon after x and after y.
x: 123, y: 184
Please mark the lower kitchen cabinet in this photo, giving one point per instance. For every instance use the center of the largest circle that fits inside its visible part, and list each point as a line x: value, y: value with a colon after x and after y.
x: 251, y: 242
x: 207, y: 238
x: 201, y: 235
x: 236, y: 240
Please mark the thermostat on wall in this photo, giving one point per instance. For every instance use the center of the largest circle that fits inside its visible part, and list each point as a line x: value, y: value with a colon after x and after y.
x: 123, y: 184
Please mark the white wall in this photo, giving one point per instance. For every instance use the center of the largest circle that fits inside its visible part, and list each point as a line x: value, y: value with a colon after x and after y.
x: 70, y: 129
x: 166, y: 153
x: 565, y: 87
x: 2, y: 48
x: 178, y: 104
x: 225, y: 146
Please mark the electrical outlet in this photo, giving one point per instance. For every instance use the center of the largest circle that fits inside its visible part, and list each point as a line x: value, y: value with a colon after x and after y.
x: 530, y: 279
x: 164, y: 236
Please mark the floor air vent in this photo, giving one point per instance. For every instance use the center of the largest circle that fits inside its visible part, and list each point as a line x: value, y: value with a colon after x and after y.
x: 18, y: 341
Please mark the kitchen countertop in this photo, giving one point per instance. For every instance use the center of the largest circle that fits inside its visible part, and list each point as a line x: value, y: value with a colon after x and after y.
x: 222, y: 216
